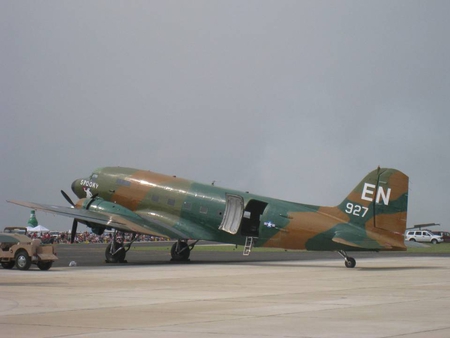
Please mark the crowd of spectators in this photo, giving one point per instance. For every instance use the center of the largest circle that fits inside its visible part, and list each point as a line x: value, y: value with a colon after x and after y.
x: 88, y: 237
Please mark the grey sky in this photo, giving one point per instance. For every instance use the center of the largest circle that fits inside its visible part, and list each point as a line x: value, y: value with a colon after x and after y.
x: 291, y: 99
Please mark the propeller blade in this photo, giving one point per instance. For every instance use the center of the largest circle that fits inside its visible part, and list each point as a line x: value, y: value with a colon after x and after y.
x: 74, y: 231
x: 67, y: 198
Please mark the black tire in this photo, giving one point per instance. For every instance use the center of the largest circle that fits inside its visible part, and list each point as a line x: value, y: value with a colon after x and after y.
x: 434, y: 241
x: 23, y: 261
x: 412, y: 240
x: 8, y: 265
x: 44, y: 266
x: 118, y: 257
x: 183, y: 252
x: 350, y: 262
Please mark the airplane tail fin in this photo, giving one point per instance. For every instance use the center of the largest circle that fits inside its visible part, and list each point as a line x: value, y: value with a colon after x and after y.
x: 379, y: 204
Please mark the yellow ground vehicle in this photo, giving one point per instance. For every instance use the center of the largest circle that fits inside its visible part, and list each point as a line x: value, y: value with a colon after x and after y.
x: 16, y: 248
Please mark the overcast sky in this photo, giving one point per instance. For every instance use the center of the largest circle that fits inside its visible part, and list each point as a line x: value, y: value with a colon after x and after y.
x: 296, y: 100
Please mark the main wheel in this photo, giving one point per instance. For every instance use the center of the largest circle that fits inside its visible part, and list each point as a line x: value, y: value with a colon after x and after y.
x: 434, y: 241
x: 23, y: 261
x: 44, y: 266
x: 350, y: 262
x: 412, y: 240
x: 8, y: 265
x: 180, y: 251
x: 118, y: 257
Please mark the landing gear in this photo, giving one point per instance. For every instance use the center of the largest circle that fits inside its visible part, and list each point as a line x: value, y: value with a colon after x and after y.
x: 115, y: 253
x: 350, y: 262
x: 181, y: 250
x: 116, y: 250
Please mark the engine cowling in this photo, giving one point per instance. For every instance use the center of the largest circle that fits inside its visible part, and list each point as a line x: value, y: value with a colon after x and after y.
x: 98, y: 204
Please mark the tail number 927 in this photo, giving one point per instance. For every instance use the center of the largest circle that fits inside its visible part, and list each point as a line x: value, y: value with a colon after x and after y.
x: 356, y: 210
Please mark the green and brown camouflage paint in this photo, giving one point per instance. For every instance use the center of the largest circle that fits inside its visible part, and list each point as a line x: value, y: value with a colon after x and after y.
x: 371, y: 217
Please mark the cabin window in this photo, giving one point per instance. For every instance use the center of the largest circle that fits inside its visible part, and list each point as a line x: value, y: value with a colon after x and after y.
x: 187, y: 205
x: 155, y: 198
x: 203, y: 210
x: 171, y: 202
x: 122, y: 182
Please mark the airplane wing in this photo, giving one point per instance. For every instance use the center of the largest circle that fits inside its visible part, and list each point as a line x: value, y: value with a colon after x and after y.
x: 150, y: 223
x: 175, y: 226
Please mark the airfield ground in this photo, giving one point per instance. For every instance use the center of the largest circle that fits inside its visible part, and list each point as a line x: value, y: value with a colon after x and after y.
x: 223, y: 294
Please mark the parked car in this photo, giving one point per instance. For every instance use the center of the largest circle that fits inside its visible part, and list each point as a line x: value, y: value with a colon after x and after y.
x: 19, y: 250
x: 424, y: 236
x: 444, y: 234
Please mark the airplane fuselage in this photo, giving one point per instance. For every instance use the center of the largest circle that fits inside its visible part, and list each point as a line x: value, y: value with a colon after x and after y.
x: 191, y: 210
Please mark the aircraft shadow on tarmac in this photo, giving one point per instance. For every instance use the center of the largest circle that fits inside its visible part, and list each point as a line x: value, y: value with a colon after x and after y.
x: 282, y: 263
x: 420, y: 267
x: 92, y: 256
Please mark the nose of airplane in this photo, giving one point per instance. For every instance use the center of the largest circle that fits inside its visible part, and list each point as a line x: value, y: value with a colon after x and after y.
x: 74, y: 184
x: 76, y: 188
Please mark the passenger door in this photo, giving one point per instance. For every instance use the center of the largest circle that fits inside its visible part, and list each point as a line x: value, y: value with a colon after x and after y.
x: 426, y: 237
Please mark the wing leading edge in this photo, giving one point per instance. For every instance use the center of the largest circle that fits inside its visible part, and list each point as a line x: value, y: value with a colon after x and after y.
x: 152, y: 223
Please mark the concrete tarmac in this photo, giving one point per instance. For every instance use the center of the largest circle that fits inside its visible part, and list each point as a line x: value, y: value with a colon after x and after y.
x: 299, y: 296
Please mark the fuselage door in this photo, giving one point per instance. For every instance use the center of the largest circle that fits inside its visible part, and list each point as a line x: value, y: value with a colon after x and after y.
x: 251, y: 219
x: 234, y: 210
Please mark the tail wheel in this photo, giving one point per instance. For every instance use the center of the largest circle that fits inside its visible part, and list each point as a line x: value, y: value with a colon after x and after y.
x: 350, y: 262
x: 23, y: 261
x: 44, y: 265
x: 8, y: 265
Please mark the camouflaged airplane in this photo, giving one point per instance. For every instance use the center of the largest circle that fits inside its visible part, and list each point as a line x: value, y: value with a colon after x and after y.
x: 371, y: 218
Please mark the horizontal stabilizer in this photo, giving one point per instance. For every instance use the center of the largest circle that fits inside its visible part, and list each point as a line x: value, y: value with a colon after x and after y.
x: 353, y: 240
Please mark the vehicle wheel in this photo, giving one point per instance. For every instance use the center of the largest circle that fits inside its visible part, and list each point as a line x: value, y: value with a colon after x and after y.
x: 412, y: 240
x: 434, y: 241
x: 44, y: 265
x: 8, y: 265
x: 23, y: 261
x: 180, y: 251
x: 350, y: 262
x: 118, y: 257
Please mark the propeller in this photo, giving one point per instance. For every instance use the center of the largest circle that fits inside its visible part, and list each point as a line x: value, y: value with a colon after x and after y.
x: 75, y: 223
x: 67, y: 198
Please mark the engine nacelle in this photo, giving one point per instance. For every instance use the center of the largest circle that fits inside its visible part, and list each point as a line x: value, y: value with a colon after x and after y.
x: 96, y: 229
x: 99, y: 205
